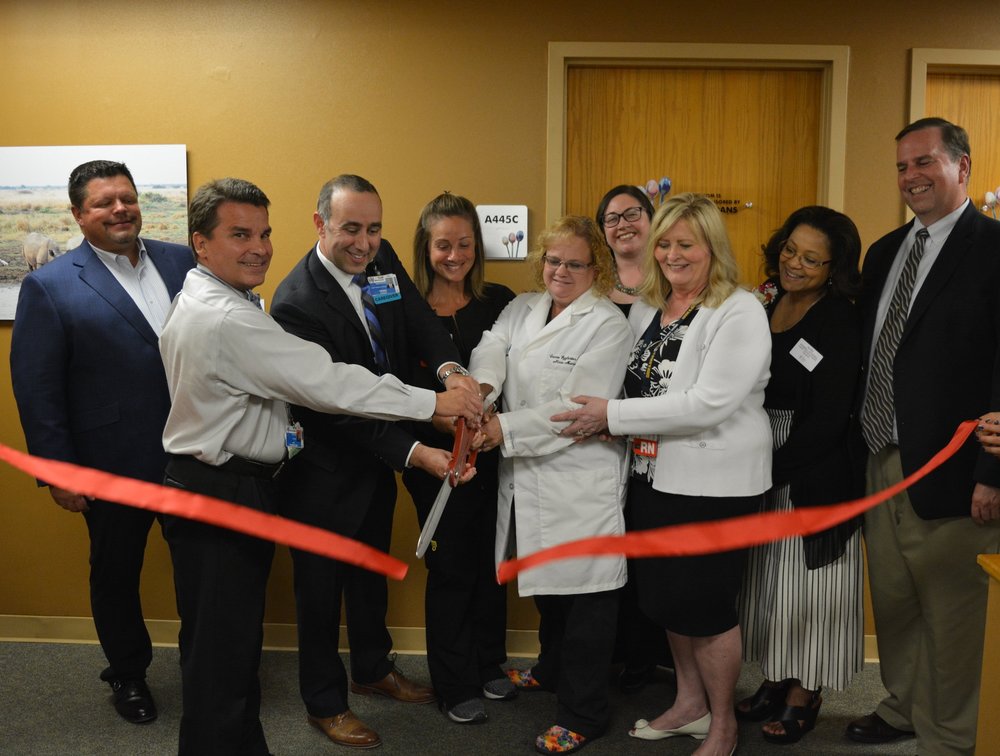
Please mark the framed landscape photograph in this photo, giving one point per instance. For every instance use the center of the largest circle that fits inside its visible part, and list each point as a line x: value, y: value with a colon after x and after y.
x: 36, y: 224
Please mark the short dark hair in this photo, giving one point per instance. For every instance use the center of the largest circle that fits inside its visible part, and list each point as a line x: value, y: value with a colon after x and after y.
x: 448, y: 205
x: 347, y: 181
x: 954, y: 138
x: 633, y: 191
x: 85, y: 172
x: 203, y: 212
x: 842, y: 236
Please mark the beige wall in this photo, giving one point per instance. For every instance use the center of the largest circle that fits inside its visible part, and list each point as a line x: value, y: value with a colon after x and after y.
x: 418, y: 96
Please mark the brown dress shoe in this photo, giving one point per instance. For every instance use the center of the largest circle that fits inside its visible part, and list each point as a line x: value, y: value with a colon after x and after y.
x: 396, y: 685
x: 347, y: 730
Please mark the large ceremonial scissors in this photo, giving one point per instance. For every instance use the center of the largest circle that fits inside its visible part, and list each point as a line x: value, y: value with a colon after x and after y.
x: 460, y: 457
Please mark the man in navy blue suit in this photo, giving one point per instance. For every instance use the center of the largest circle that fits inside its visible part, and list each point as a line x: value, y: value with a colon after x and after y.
x: 91, y: 390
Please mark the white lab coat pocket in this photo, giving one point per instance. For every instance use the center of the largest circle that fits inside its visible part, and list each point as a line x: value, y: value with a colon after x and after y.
x: 578, y: 504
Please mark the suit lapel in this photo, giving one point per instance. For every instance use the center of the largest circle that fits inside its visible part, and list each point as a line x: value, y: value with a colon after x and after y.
x: 948, y: 259
x: 96, y: 275
x: 334, y: 295
x: 171, y: 273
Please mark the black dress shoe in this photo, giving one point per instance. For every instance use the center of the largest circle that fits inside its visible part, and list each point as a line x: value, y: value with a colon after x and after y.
x: 633, y: 680
x: 874, y: 729
x: 133, y: 701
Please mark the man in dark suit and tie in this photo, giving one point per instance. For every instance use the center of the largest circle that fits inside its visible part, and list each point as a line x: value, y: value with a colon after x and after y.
x: 931, y: 336
x: 90, y: 389
x: 351, y: 295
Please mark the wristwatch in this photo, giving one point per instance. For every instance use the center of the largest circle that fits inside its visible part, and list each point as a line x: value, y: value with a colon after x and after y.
x: 451, y: 371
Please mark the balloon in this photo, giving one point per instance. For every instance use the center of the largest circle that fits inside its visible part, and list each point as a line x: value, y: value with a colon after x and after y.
x: 652, y: 188
x: 665, y: 185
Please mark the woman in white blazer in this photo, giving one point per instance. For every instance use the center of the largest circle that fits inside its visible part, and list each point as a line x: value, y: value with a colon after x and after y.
x: 544, y: 348
x: 701, y: 447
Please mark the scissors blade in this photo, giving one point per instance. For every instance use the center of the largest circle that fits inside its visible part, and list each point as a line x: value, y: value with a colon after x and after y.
x: 460, y: 456
x: 437, y: 509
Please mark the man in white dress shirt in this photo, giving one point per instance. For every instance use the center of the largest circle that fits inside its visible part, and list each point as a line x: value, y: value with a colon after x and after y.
x: 232, y: 371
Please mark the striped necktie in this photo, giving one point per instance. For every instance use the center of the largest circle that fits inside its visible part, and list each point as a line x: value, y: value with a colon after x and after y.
x: 879, y: 412
x: 374, y: 327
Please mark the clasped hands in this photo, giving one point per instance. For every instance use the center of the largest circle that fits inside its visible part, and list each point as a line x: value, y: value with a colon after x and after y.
x: 590, y: 419
x: 488, y: 435
x: 462, y: 399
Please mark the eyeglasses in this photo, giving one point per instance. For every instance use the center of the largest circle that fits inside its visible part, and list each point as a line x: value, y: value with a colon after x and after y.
x: 632, y: 214
x: 573, y: 266
x: 809, y: 263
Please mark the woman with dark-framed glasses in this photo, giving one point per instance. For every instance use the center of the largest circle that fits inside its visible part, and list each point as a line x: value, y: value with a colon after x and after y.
x: 701, y: 451
x: 623, y: 215
x: 545, y: 348
x: 801, y: 609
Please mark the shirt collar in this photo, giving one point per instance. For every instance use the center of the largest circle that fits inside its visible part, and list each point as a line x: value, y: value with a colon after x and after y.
x: 113, y: 258
x: 940, y: 229
x: 344, y: 279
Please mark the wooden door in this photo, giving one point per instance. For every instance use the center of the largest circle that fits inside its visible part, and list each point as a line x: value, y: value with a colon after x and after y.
x: 741, y: 135
x: 972, y: 101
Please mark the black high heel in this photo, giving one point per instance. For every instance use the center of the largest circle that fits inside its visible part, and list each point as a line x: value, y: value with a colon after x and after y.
x: 765, y: 702
x: 796, y: 721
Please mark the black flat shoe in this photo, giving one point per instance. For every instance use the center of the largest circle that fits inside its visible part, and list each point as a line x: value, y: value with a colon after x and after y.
x: 764, y: 703
x: 796, y: 721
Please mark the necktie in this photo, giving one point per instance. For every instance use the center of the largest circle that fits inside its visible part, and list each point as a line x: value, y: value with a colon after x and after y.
x: 877, y: 419
x: 374, y: 327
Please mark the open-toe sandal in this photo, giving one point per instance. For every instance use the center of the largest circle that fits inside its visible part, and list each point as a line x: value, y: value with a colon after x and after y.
x: 765, y: 702
x: 796, y: 721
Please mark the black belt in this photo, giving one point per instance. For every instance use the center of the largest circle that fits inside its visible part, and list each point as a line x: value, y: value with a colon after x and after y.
x: 244, y: 466
x: 235, y: 466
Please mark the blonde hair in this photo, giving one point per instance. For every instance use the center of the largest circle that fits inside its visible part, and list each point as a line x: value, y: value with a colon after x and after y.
x: 709, y: 229
x: 583, y: 228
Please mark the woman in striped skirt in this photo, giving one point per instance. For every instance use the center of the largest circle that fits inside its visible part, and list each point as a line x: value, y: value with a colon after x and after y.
x: 801, y: 608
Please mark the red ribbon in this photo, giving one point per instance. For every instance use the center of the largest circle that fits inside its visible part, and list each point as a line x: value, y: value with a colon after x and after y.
x: 225, y: 514
x: 731, y: 533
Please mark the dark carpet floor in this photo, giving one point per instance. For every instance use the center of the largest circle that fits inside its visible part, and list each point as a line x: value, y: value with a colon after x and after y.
x: 53, y: 703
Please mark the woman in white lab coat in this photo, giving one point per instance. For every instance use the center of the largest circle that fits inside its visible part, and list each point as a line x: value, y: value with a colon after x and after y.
x: 544, y: 348
x: 701, y: 446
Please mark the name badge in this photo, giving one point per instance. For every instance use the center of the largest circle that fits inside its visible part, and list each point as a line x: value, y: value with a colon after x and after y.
x: 644, y: 447
x: 806, y: 354
x: 384, y: 288
x: 294, y: 440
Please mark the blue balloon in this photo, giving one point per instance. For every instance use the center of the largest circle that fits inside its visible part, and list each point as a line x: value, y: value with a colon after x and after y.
x: 665, y: 185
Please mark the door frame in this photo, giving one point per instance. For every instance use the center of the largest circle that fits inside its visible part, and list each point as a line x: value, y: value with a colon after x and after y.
x: 932, y: 60
x: 924, y: 60
x: 832, y: 60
